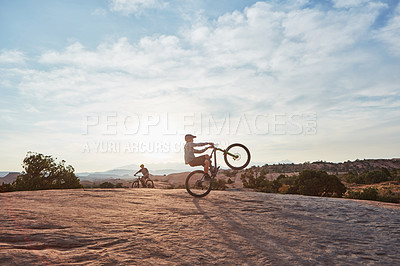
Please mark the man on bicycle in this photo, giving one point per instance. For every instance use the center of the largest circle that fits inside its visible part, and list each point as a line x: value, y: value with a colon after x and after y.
x: 191, y: 159
x: 145, y: 173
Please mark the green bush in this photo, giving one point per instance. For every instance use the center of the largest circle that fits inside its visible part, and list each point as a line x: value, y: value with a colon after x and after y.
x: 4, y: 187
x: 42, y: 172
x: 369, y: 194
x: 386, y: 195
x: 372, y: 177
x: 317, y: 183
x: 372, y: 193
x: 309, y: 182
x: 106, y: 185
x: 351, y: 194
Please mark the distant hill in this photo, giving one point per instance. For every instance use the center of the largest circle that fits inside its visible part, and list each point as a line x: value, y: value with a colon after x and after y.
x: 9, y: 178
x: 342, y: 167
x: 3, y: 174
x: 127, y: 171
x: 286, y: 167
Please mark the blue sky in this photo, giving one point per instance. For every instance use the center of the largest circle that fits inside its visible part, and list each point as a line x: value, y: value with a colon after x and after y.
x: 103, y: 84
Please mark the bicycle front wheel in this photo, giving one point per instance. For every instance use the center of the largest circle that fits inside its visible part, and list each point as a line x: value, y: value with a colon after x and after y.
x: 149, y: 184
x: 135, y: 184
x: 237, y: 156
x: 197, y: 184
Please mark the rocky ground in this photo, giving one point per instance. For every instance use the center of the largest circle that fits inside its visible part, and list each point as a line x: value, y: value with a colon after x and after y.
x: 165, y: 226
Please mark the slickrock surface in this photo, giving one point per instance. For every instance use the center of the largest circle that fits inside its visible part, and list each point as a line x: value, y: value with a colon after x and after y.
x: 156, y: 226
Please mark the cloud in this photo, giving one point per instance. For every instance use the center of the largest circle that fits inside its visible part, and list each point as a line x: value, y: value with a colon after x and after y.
x: 390, y: 34
x: 267, y: 50
x: 99, y: 12
x: 266, y: 59
x: 136, y: 7
x: 12, y: 57
x: 348, y: 3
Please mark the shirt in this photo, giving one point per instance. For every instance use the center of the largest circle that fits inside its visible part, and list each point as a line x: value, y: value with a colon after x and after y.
x: 190, y: 151
x: 144, y: 171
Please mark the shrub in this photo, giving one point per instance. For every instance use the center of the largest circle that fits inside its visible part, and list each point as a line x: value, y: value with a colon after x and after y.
x: 351, y: 194
x: 317, y: 183
x: 4, y: 187
x: 249, y: 181
x: 284, y: 188
x: 219, y: 184
x: 230, y: 173
x: 106, y: 185
x: 42, y: 172
x: 372, y: 177
x: 309, y: 182
x: 369, y: 194
x: 386, y: 195
x: 372, y: 193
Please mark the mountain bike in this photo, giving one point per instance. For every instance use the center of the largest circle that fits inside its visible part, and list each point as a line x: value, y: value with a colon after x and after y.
x: 139, y: 180
x: 236, y: 156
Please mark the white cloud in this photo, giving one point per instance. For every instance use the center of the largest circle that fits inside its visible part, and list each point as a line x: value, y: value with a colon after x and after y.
x: 266, y: 59
x: 264, y: 50
x: 348, y: 3
x: 12, y: 57
x: 127, y: 7
x: 390, y: 34
x: 99, y: 12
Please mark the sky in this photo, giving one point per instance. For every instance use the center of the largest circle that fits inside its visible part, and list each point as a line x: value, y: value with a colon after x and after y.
x: 103, y: 84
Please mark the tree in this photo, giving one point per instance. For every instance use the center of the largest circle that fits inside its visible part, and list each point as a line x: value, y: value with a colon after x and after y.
x: 43, y: 172
x: 317, y: 183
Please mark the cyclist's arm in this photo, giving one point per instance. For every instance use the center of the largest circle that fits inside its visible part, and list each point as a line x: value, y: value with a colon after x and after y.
x: 199, y: 144
x: 200, y: 151
x: 203, y: 150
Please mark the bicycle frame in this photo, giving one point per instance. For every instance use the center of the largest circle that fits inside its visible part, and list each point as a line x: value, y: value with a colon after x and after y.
x: 224, y: 151
x: 214, y: 153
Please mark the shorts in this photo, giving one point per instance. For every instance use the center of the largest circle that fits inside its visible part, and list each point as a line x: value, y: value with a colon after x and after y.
x: 198, y: 161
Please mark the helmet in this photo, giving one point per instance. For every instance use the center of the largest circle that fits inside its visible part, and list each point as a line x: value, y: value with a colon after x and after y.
x: 189, y: 136
x: 142, y: 165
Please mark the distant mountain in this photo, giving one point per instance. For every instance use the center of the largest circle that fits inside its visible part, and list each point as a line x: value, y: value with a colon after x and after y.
x: 9, y: 178
x: 285, y: 162
x: 3, y: 174
x: 157, y: 168
x: 127, y: 171
x: 357, y: 166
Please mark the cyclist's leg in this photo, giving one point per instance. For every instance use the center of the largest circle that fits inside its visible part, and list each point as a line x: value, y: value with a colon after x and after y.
x: 145, y: 178
x: 206, y: 163
x: 203, y: 160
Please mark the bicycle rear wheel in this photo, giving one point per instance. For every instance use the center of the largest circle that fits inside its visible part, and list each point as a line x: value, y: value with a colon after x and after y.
x: 197, y: 184
x: 237, y: 156
x: 149, y: 184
